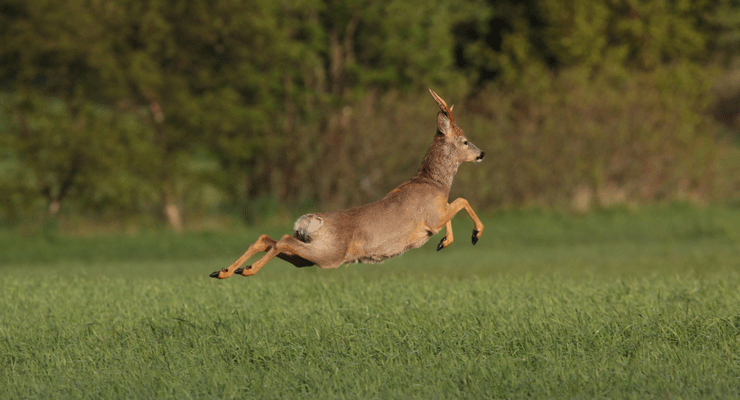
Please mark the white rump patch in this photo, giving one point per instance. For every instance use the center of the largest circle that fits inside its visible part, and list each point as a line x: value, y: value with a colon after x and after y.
x: 306, y: 225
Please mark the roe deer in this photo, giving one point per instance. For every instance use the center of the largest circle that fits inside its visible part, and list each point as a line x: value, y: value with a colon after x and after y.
x: 404, y: 219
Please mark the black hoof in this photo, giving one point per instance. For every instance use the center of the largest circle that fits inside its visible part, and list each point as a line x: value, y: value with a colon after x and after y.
x: 214, y: 274
x: 441, y: 244
x: 475, y: 236
x: 239, y: 271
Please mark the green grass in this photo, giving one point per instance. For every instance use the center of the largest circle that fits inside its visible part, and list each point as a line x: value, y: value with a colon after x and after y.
x: 611, y: 305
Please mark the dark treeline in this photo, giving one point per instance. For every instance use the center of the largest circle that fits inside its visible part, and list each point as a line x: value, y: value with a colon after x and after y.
x: 184, y: 109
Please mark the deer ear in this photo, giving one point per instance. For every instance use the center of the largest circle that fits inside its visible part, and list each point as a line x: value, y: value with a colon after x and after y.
x: 444, y: 124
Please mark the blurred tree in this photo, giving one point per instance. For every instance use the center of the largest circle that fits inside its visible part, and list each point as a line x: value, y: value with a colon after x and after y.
x: 503, y: 42
x: 575, y: 32
x: 721, y: 19
x: 202, y: 70
x: 346, y: 52
x: 62, y: 142
x: 87, y: 153
x: 324, y: 58
x: 519, y: 37
x: 658, y: 32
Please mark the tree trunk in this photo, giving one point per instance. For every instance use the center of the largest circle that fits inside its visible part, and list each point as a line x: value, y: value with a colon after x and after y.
x: 54, y: 206
x: 172, y: 212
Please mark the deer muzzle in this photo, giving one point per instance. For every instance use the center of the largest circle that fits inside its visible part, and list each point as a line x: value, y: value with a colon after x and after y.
x: 480, y: 157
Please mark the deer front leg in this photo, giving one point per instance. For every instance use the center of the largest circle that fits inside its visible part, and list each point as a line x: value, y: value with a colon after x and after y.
x: 448, y: 238
x: 460, y: 204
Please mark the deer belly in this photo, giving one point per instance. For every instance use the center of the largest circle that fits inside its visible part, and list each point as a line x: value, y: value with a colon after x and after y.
x: 387, y: 247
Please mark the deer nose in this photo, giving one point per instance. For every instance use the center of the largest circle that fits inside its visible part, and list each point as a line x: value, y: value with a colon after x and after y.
x: 480, y: 157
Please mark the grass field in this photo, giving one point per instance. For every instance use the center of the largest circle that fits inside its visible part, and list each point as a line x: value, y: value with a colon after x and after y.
x: 617, y: 304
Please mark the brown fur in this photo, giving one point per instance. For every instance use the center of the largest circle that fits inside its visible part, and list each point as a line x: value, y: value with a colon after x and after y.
x: 402, y: 220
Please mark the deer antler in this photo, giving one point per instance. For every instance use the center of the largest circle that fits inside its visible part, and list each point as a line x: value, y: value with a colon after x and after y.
x: 447, y: 111
x: 441, y: 103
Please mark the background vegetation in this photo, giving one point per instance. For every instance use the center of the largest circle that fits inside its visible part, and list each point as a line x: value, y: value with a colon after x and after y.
x: 196, y: 111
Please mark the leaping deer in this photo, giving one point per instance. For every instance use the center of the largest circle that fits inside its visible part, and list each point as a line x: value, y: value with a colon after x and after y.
x: 402, y: 220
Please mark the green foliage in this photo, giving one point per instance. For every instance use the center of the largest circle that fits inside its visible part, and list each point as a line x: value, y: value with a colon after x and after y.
x: 722, y: 19
x: 62, y: 151
x: 299, y: 102
x: 576, y: 33
x: 640, y: 35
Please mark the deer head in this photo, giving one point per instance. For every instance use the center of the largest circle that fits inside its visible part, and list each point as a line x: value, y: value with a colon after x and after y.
x: 465, y: 150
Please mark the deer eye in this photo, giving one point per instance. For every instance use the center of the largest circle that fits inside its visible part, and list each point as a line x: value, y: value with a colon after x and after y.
x: 465, y: 142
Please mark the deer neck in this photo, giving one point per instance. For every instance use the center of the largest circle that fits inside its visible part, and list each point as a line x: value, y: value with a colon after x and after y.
x: 439, y: 164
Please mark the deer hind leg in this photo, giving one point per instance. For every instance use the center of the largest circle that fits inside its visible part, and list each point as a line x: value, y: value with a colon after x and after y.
x: 263, y: 243
x: 448, y: 238
x: 290, y: 248
x: 460, y: 204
